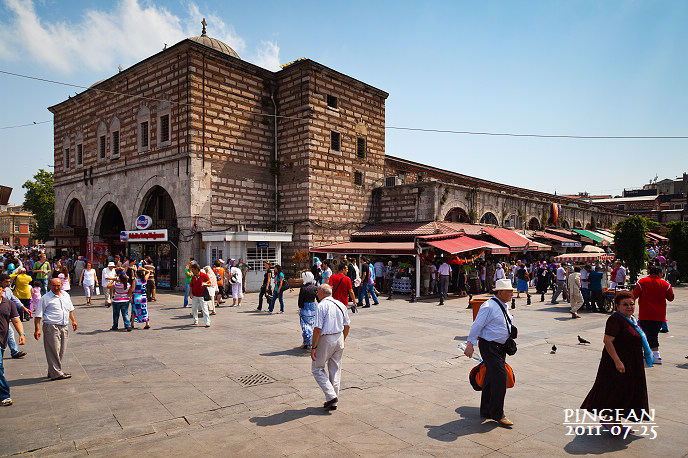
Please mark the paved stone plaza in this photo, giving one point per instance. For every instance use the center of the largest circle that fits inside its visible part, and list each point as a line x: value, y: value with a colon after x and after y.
x: 175, y: 390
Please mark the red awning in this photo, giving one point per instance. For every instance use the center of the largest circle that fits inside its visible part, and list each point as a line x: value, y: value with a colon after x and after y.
x: 463, y: 244
x: 584, y: 257
x: 559, y: 239
x: 515, y: 241
x: 368, y: 248
x: 661, y: 238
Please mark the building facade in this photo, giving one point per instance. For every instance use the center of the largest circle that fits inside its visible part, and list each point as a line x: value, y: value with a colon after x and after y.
x: 227, y: 158
x: 16, y: 226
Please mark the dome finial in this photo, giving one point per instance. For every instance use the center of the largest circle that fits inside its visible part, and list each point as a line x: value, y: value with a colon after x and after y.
x: 204, y: 24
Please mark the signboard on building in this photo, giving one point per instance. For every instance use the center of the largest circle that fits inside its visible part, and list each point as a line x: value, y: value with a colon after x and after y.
x: 152, y: 235
x: 262, y: 244
x: 143, y: 222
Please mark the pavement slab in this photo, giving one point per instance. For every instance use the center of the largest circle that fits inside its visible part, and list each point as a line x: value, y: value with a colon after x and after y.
x: 175, y: 390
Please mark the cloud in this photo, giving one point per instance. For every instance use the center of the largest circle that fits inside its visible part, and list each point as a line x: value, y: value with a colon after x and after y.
x: 267, y: 56
x: 129, y: 32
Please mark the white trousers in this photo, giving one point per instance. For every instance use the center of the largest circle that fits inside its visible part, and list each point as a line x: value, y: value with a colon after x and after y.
x: 329, y: 353
x: 196, y: 303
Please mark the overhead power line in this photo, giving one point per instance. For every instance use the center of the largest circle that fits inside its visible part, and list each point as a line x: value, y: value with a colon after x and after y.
x: 25, y: 125
x: 413, y: 129
x: 504, y: 134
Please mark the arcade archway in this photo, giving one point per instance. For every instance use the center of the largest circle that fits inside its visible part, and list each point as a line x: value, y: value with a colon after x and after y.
x: 457, y: 215
x: 109, y: 225
x: 489, y: 218
x: 534, y: 224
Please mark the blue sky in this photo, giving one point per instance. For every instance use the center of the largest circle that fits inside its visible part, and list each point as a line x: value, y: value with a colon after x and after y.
x: 579, y: 67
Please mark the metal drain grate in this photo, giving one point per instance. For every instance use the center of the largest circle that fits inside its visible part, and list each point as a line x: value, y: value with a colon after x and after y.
x: 254, y: 379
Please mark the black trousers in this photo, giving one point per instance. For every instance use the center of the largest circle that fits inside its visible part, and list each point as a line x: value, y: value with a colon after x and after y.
x: 651, y: 330
x: 494, y: 386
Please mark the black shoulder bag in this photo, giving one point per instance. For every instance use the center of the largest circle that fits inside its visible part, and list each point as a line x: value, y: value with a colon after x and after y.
x: 510, y: 344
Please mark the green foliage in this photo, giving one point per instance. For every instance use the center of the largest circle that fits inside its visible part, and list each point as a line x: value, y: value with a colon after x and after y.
x: 40, y: 200
x: 678, y: 246
x: 629, y: 244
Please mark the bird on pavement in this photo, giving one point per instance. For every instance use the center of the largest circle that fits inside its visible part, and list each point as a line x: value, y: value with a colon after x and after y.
x: 582, y: 340
x: 554, y: 349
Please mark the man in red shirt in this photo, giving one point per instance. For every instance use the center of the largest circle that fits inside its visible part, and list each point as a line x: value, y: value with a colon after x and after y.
x: 342, y: 288
x: 652, y: 293
x: 198, y: 283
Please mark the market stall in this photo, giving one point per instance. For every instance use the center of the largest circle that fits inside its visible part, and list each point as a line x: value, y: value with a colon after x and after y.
x: 582, y: 258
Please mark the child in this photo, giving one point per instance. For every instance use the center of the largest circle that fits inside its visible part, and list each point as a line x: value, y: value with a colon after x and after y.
x: 35, y: 295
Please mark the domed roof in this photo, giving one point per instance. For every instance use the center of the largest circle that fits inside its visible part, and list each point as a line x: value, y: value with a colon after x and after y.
x: 214, y: 43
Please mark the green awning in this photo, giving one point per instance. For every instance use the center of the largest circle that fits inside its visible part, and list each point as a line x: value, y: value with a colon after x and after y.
x: 591, y: 235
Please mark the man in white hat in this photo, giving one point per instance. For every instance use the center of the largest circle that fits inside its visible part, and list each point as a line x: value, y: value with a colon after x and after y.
x: 490, y: 330
x: 109, y: 274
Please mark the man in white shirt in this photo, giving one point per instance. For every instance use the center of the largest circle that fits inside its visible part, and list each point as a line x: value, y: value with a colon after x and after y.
x: 561, y: 283
x: 620, y: 275
x: 490, y: 331
x: 445, y: 274
x: 55, y: 309
x: 585, y: 272
x: 331, y: 328
x: 107, y: 276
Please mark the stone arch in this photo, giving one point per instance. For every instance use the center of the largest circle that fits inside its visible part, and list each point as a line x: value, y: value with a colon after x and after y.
x: 577, y: 225
x: 489, y: 218
x: 109, y: 222
x: 158, y: 204
x: 74, y: 215
x: 565, y: 224
x: 534, y: 224
x: 587, y: 227
x: 457, y: 215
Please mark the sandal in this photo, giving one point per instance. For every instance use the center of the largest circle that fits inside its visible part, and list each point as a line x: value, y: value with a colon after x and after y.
x: 146, y: 327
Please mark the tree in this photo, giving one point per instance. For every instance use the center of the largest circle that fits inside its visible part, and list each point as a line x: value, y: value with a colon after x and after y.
x: 629, y: 243
x: 40, y: 200
x: 678, y: 245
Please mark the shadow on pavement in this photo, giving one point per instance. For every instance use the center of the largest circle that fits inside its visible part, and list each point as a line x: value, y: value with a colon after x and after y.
x: 29, y: 381
x: 288, y: 415
x: 470, y: 423
x: 597, y: 445
x: 296, y: 351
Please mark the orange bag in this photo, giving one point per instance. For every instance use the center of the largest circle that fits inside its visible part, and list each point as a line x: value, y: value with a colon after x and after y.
x: 477, y: 376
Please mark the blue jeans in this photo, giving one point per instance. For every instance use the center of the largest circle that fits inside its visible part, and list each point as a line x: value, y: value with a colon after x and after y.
x: 187, y: 287
x: 44, y: 285
x: 4, y: 384
x: 364, y: 291
x: 14, y: 349
x: 276, y: 295
x: 120, y: 307
x: 586, y: 298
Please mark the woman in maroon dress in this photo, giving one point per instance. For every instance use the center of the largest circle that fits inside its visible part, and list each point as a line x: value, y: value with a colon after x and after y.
x: 620, y: 381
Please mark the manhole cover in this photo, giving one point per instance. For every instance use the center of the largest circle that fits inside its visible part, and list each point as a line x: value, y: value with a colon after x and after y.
x: 254, y: 379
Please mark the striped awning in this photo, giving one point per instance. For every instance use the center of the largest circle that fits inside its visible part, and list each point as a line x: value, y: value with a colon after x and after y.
x: 584, y: 257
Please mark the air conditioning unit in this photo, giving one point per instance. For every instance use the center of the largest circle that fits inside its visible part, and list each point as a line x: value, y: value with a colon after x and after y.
x: 392, y: 181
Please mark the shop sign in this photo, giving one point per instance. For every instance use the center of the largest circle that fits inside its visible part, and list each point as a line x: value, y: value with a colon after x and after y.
x: 143, y: 222
x: 156, y: 235
x: 262, y: 244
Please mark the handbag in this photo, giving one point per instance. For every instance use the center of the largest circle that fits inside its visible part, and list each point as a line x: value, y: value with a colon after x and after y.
x: 477, y: 376
x: 206, y: 294
x: 510, y: 344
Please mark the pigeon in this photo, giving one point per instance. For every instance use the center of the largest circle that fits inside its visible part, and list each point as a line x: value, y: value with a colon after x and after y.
x: 582, y: 340
x: 554, y: 349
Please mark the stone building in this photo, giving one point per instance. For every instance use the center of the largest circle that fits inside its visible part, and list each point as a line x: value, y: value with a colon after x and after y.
x: 225, y: 158
x: 16, y: 226
x: 417, y: 192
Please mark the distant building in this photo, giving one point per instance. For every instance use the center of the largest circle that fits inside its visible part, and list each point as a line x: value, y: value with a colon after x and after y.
x: 16, y: 226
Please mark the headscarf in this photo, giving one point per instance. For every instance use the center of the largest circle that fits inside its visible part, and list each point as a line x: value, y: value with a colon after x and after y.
x: 211, y: 275
x: 308, y: 278
x: 647, y: 352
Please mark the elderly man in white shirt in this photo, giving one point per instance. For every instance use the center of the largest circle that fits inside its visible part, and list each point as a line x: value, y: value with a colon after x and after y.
x: 109, y: 274
x: 331, y: 328
x: 444, y: 272
x: 490, y: 331
x: 55, y: 309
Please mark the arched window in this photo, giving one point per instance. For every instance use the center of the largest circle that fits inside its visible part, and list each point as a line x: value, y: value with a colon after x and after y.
x: 114, y: 138
x: 101, y: 134
x: 534, y: 224
x: 489, y: 218
x: 457, y: 215
x: 79, y: 149
x: 143, y: 136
